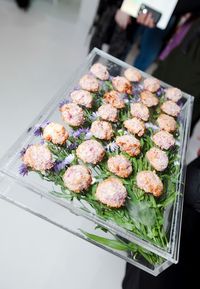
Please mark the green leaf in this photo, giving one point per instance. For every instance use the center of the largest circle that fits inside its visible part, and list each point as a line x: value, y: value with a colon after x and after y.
x: 114, y: 244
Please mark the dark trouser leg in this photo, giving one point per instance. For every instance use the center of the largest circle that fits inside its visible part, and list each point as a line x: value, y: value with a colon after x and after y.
x: 151, y: 43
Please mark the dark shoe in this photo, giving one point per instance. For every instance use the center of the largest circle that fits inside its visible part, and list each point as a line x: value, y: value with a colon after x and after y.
x: 24, y: 4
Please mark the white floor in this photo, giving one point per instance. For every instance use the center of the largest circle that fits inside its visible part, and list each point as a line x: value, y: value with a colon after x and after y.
x: 38, y: 52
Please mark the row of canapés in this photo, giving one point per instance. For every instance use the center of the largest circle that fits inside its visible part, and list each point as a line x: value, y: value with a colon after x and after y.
x: 78, y: 178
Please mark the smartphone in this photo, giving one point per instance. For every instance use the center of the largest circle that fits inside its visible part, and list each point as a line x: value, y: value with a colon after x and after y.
x: 146, y: 9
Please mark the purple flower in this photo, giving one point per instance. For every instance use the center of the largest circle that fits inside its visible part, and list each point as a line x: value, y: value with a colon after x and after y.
x: 136, y: 98
x: 59, y: 165
x: 38, y: 128
x: 77, y: 87
x: 88, y: 135
x: 80, y: 131
x: 22, y: 152
x: 160, y: 91
x: 137, y: 88
x: 72, y: 146
x: 125, y: 97
x: 64, y: 101
x: 23, y: 170
x: 101, y: 83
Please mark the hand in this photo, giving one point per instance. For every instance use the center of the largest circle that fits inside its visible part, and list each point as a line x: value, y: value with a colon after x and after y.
x: 122, y: 19
x: 146, y: 19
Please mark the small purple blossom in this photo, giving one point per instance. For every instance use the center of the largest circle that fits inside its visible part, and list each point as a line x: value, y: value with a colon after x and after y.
x: 80, y: 131
x: 136, y: 98
x: 77, y: 87
x: 110, y: 78
x: 39, y: 127
x: 63, y: 102
x: 160, y: 91
x: 72, y: 146
x: 23, y: 170
x: 59, y: 165
x: 22, y: 152
x: 103, y: 86
x: 101, y: 83
x: 125, y: 97
x: 88, y: 135
x: 137, y: 88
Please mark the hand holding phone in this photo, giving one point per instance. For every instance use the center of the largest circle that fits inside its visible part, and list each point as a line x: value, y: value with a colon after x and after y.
x: 148, y: 16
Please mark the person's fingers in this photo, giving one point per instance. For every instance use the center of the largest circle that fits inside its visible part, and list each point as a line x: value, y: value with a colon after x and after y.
x: 141, y: 18
x: 149, y: 21
x: 146, y: 19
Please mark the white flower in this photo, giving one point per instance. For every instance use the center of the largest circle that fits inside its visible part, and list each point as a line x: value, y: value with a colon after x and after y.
x: 88, y: 135
x: 69, y: 159
x: 151, y: 125
x: 94, y: 180
x: 112, y: 147
x: 94, y: 116
x: 126, y: 100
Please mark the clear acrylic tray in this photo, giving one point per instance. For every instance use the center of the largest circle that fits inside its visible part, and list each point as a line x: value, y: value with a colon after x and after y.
x: 47, y: 200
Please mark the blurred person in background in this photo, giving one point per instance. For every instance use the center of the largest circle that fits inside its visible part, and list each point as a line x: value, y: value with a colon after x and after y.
x: 116, y: 28
x: 180, y: 62
x: 151, y: 38
x: 104, y: 26
x: 119, y: 30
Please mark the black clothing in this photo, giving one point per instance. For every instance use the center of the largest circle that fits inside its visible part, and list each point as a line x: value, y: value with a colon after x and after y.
x: 185, y: 6
x: 106, y: 31
x: 192, y: 188
x: 181, y: 68
x: 186, y: 272
x: 24, y: 4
